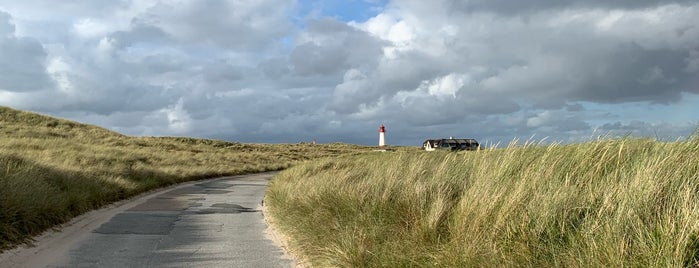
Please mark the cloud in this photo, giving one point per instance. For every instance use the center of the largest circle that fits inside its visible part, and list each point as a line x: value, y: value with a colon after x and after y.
x: 229, y: 24
x: 662, y: 131
x: 329, y: 46
x: 260, y: 71
x: 21, y: 60
x: 558, y: 121
x: 509, y: 7
x: 550, y: 58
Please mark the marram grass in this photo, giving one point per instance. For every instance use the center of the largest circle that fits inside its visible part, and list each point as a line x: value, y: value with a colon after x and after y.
x: 52, y: 170
x: 605, y: 203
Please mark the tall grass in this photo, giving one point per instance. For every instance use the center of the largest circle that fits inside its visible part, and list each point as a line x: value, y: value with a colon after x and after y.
x: 52, y: 170
x: 606, y: 203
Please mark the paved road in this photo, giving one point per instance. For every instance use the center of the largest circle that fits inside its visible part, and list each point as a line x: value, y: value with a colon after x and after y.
x: 216, y: 223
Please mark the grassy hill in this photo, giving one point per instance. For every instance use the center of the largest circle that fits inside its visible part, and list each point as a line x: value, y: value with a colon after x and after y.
x: 606, y: 203
x: 52, y: 170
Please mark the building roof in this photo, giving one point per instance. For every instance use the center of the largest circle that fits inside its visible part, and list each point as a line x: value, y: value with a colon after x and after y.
x: 451, y: 140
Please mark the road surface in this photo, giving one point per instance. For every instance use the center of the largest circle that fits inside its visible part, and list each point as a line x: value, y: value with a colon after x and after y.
x: 214, y: 223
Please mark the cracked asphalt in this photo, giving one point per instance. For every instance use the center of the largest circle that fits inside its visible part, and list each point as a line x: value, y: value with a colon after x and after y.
x: 216, y: 223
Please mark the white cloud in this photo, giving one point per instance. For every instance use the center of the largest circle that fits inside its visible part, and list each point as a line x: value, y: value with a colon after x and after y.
x: 447, y: 85
x: 90, y: 28
x: 539, y: 120
x: 178, y: 118
x: 59, y: 71
x: 256, y: 71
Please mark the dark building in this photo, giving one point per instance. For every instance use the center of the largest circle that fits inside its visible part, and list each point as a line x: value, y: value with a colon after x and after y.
x: 451, y: 145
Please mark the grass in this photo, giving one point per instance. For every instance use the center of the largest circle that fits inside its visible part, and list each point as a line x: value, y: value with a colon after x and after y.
x: 605, y: 203
x: 52, y: 170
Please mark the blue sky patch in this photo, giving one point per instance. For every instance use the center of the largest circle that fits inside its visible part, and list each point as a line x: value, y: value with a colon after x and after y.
x: 343, y: 10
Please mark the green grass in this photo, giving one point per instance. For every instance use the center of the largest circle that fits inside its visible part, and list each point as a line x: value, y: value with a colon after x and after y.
x: 52, y: 170
x: 607, y: 203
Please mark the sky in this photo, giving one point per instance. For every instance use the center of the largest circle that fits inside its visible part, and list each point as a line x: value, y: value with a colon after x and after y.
x: 288, y: 71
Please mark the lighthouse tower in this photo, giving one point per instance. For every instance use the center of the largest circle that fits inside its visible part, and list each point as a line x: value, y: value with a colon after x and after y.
x: 382, y: 136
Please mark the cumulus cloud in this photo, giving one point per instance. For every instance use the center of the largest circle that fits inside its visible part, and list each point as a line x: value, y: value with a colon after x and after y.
x: 552, y: 58
x: 258, y: 71
x: 329, y: 46
x: 509, y: 7
x: 22, y: 60
x: 230, y: 24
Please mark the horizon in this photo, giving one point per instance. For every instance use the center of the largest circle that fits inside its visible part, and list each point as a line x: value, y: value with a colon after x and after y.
x: 517, y: 141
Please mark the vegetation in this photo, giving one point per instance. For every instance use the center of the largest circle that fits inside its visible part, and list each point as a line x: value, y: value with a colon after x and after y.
x: 606, y: 203
x: 52, y: 170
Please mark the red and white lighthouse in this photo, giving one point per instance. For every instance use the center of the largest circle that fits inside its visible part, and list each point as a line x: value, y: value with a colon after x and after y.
x: 382, y: 136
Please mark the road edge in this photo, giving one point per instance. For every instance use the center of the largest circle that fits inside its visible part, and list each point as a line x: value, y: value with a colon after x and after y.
x: 278, y: 238
x: 51, y: 244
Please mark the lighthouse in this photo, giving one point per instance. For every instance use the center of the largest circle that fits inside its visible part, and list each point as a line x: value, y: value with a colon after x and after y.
x: 382, y: 136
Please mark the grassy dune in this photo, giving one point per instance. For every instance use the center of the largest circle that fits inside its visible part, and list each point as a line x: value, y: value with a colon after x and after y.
x: 52, y: 170
x: 607, y: 203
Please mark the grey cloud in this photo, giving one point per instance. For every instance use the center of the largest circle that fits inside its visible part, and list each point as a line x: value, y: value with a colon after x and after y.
x: 160, y: 63
x: 104, y: 99
x: 22, y: 60
x: 355, y: 90
x: 223, y: 23
x: 549, y: 65
x: 289, y: 115
x: 335, y: 46
x: 426, y: 110
x: 221, y: 73
x: 488, y: 104
x: 243, y: 71
x: 140, y: 33
x: 430, y: 112
x: 574, y: 107
x: 663, y: 131
x: 572, y: 125
x: 312, y: 59
x: 409, y: 70
x: 625, y: 73
x: 631, y: 73
x: 177, y: 82
x: 48, y: 8
x: 512, y: 7
x: 7, y: 29
x: 275, y: 68
x: 385, y: 80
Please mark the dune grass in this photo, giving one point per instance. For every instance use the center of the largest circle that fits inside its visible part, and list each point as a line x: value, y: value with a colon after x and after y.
x: 606, y: 203
x: 52, y: 170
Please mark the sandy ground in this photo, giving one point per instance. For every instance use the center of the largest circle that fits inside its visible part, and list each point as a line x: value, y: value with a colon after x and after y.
x: 53, y: 246
x: 280, y: 239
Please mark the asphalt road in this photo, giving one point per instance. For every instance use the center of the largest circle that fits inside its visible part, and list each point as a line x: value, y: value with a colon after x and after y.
x: 215, y: 223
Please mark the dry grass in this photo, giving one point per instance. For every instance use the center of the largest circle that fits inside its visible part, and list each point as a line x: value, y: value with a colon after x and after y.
x: 605, y: 203
x: 52, y: 170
